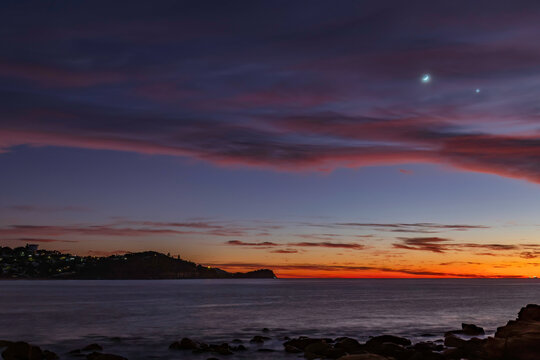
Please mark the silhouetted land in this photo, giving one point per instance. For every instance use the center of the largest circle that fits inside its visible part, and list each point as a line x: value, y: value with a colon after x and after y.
x: 30, y: 263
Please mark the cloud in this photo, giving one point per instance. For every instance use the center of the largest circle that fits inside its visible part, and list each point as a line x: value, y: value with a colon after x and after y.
x: 442, y: 245
x: 433, y: 244
x: 530, y: 254
x: 265, y: 244
x: 287, y: 97
x: 255, y: 244
x: 41, y: 240
x: 135, y: 228
x: 284, y: 251
x: 34, y: 208
x: 352, y: 246
x: 408, y: 227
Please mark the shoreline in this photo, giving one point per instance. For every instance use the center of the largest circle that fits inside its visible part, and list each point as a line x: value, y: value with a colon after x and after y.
x: 517, y: 340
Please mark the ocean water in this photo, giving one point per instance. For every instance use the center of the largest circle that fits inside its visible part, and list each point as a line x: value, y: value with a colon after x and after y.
x: 139, y: 319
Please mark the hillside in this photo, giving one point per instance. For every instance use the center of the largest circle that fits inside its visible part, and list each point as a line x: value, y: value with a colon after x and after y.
x: 28, y: 263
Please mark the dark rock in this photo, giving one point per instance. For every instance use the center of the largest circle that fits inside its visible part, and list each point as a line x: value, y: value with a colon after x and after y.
x: 388, y: 339
x: 453, y: 341
x: 266, y: 350
x: 335, y: 353
x: 530, y: 312
x: 100, y: 356
x: 259, y: 339
x: 301, y: 342
x: 363, y: 357
x: 184, y: 344
x: 292, y: 349
x: 427, y: 347
x: 519, y: 339
x: 237, y: 341
x: 467, y: 329
x: 265, y: 330
x: 222, y: 349
x: 49, y: 355
x: 238, y: 348
x: 22, y: 351
x: 350, y: 345
x: 318, y: 348
x: 75, y: 352
x: 5, y: 343
x: 92, y: 347
x: 472, y: 330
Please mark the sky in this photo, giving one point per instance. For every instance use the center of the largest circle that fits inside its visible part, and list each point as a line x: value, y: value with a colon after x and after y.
x: 315, y: 138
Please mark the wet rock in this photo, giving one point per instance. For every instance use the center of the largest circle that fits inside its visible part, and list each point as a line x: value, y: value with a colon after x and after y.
x: 292, y: 349
x: 530, y: 312
x: 519, y: 339
x: 5, y: 343
x: 22, y: 351
x: 427, y: 346
x: 349, y: 345
x: 265, y: 330
x: 453, y: 341
x: 468, y: 329
x: 222, y: 349
x: 237, y: 341
x: 317, y: 350
x: 335, y: 353
x: 259, y: 339
x: 92, y: 347
x: 363, y: 357
x: 388, y: 339
x: 49, y: 355
x: 184, y: 344
x: 238, y: 348
x: 100, y: 356
x: 301, y: 342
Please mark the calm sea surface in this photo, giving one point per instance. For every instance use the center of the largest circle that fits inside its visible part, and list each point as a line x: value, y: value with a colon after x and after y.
x: 138, y: 319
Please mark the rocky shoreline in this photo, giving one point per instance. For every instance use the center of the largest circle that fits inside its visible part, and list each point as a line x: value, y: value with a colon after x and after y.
x: 518, y: 340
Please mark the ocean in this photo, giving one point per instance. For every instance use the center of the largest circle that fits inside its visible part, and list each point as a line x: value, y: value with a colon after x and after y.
x: 139, y: 319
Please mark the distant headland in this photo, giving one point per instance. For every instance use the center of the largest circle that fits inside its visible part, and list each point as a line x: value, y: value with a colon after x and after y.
x: 30, y: 263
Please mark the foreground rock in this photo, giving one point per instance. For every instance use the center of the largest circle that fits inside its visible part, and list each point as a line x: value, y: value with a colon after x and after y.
x: 519, y: 339
x: 199, y: 347
x: 23, y: 351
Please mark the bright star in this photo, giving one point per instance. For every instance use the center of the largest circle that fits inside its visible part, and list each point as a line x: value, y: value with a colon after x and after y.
x: 426, y: 78
x: 477, y: 91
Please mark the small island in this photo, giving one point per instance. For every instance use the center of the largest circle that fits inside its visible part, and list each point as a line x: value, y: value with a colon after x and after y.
x: 30, y: 263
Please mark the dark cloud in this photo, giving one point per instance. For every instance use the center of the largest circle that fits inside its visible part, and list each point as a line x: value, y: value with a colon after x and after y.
x: 264, y: 244
x: 441, y: 245
x: 246, y: 83
x: 285, y: 251
x: 410, y: 227
x: 40, y: 240
x: 254, y: 244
